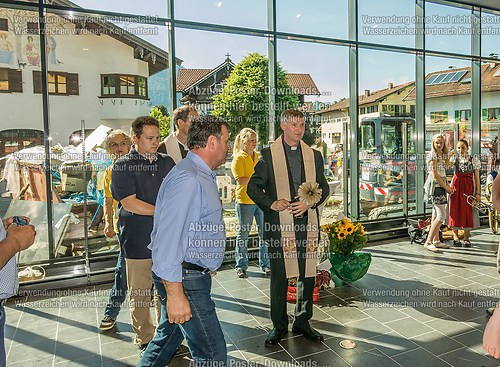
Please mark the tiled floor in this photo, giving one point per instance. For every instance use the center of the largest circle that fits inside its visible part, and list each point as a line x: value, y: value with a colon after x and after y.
x: 413, y: 308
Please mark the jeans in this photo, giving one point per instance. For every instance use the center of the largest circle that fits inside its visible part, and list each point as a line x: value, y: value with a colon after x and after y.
x: 3, y: 361
x: 245, y: 214
x: 119, y: 289
x: 202, y: 332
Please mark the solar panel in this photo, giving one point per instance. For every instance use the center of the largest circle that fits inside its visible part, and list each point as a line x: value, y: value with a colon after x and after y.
x: 448, y: 77
x: 431, y: 79
x: 439, y: 78
x: 457, y: 77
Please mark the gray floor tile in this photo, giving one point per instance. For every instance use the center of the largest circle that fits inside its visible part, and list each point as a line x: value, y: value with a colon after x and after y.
x: 413, y: 308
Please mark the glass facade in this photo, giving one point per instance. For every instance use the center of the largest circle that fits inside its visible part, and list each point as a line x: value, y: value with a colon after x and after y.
x: 77, y: 69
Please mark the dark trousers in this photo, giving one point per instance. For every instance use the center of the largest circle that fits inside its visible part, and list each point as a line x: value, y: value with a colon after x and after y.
x: 279, y: 285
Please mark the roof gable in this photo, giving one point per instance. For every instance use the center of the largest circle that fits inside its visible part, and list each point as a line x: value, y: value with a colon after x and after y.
x: 301, y: 84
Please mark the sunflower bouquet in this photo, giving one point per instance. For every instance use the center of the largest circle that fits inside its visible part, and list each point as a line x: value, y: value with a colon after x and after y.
x: 345, y: 236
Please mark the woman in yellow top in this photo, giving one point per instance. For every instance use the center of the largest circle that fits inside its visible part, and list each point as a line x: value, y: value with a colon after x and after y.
x: 244, y: 161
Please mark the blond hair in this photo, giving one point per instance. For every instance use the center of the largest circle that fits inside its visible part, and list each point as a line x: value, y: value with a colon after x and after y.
x: 112, y: 134
x: 244, y: 135
x: 444, y: 154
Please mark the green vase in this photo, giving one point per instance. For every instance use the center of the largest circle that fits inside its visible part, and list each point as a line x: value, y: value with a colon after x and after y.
x: 351, y: 267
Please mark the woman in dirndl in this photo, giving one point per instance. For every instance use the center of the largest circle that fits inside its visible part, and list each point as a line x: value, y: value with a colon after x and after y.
x: 435, y: 189
x: 465, y: 182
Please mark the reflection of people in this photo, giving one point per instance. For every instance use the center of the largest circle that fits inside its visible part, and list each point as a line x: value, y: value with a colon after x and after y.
x: 175, y: 145
x: 465, y: 182
x: 135, y: 180
x: 336, y: 161
x: 13, y: 239
x: 390, y: 146
x: 321, y: 147
x: 32, y: 53
x: 435, y: 189
x: 292, y: 226
x: 117, y: 144
x: 244, y: 161
x: 185, y: 251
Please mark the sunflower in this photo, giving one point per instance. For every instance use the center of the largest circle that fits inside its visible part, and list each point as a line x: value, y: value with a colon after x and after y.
x: 341, y: 235
x: 349, y: 228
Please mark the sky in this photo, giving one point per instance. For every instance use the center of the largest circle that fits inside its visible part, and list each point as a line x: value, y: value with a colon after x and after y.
x: 327, y: 64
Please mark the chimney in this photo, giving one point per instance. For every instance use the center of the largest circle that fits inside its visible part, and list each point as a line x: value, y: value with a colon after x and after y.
x: 390, y: 86
x: 367, y: 93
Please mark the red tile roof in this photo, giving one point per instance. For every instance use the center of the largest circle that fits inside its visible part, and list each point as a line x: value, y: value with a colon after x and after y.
x: 302, y: 84
x: 187, y: 77
x: 363, y: 99
x: 490, y: 82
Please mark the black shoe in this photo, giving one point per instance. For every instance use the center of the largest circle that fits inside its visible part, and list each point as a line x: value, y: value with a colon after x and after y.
x: 275, y: 336
x: 467, y: 244
x: 309, y: 333
x: 457, y: 243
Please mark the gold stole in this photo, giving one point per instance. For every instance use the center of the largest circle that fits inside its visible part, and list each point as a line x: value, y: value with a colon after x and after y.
x: 281, y: 178
x: 172, y: 145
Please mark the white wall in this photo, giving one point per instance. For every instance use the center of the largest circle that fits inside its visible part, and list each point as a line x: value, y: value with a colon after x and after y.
x: 89, y: 56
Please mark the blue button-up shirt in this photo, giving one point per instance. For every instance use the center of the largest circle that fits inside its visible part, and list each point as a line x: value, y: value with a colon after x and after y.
x: 9, y: 282
x: 188, y: 224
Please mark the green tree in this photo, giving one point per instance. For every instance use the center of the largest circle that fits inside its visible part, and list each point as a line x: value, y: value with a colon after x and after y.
x: 160, y: 113
x: 244, y: 100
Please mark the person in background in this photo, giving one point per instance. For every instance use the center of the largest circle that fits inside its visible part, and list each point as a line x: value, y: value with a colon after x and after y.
x: 465, y: 182
x: 185, y: 251
x: 13, y: 239
x: 336, y: 162
x: 244, y: 161
x: 292, y: 225
x: 117, y: 144
x: 135, y: 180
x: 435, y: 189
x: 175, y: 145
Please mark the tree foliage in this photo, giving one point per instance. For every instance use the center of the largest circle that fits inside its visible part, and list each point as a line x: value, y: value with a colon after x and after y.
x: 244, y: 101
x: 160, y: 113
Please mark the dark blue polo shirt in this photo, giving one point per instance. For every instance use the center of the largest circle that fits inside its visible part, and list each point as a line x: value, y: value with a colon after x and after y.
x: 134, y: 174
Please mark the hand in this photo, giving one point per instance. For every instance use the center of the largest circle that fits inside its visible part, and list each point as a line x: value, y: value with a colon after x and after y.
x: 478, y: 197
x: 178, y: 309
x: 450, y: 190
x: 280, y: 205
x: 8, y: 221
x: 109, y: 232
x: 298, y: 208
x: 23, y: 237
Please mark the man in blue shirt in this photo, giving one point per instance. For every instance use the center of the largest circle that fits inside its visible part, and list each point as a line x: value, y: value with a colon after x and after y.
x: 13, y: 239
x: 187, y: 242
x: 135, y: 181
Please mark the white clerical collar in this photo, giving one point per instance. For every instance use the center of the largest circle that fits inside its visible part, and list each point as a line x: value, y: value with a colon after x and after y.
x: 293, y: 148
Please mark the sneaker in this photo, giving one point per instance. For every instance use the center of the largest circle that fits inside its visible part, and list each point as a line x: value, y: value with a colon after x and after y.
x: 241, y: 273
x: 107, y: 323
x: 431, y: 247
x: 142, y: 349
x: 439, y: 244
x: 267, y: 270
